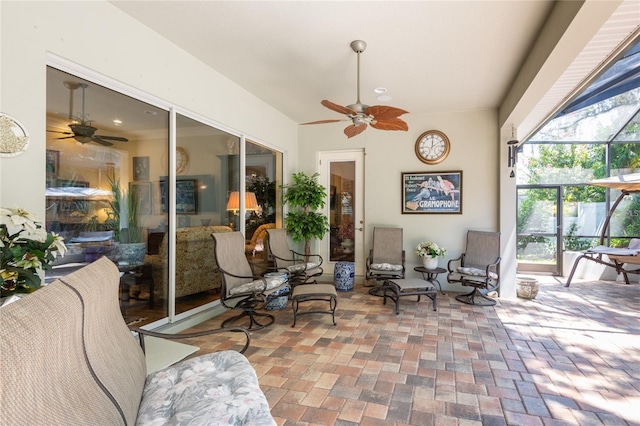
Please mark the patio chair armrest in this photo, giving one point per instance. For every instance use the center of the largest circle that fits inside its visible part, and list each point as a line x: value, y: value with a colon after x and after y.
x: 369, y: 260
x: 320, y: 260
x: 142, y: 332
x: 459, y: 259
x: 493, y: 267
x: 254, y: 277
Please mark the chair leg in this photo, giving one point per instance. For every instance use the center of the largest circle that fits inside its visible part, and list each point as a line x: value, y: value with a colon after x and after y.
x: 475, y: 298
x: 248, y: 308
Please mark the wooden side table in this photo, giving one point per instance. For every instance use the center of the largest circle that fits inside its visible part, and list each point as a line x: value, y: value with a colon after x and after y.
x: 431, y: 275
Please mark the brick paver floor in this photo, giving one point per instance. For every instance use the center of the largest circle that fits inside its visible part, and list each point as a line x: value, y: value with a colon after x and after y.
x: 569, y: 357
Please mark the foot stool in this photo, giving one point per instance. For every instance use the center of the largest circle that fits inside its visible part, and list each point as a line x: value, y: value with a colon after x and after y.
x: 308, y: 292
x: 394, y: 289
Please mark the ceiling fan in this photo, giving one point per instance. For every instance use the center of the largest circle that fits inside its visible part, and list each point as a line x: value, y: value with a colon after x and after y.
x: 82, y: 130
x: 378, y: 116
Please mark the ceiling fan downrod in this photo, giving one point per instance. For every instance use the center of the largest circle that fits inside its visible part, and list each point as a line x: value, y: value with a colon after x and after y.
x: 358, y: 46
x: 83, y: 117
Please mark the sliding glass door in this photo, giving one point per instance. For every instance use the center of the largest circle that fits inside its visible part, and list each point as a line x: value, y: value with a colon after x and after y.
x: 111, y: 192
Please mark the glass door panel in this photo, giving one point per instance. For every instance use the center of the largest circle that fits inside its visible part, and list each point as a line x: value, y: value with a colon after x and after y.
x: 206, y: 175
x: 103, y: 191
x: 341, y: 173
x: 341, y: 218
x: 263, y: 175
x: 539, y: 241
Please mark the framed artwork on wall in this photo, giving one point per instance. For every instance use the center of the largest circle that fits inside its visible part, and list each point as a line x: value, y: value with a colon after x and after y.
x: 143, y: 189
x: 140, y: 168
x: 432, y: 192
x: 186, y: 196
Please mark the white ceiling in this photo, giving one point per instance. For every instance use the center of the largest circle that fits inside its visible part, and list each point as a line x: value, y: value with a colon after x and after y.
x: 430, y: 55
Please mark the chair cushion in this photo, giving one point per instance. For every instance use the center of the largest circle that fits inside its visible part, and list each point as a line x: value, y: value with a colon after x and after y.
x: 220, y: 387
x: 477, y: 272
x: 301, y: 267
x: 256, y: 285
x: 385, y: 267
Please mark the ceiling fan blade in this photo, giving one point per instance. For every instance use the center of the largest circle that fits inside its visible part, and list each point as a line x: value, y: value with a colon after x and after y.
x: 354, y: 130
x: 390, y: 124
x: 338, y: 108
x: 324, y: 121
x: 112, y: 138
x: 383, y: 112
x: 66, y: 137
x: 62, y: 133
x: 99, y: 139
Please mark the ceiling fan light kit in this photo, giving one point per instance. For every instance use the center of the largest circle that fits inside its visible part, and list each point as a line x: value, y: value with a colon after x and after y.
x: 81, y: 129
x: 378, y: 116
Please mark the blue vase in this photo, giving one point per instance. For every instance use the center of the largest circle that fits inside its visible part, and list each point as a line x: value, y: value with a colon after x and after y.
x: 343, y: 275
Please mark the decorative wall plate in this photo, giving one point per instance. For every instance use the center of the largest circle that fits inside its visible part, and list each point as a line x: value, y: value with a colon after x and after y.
x: 14, y: 138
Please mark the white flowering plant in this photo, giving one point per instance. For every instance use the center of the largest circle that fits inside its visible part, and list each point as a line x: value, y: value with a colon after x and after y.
x: 430, y: 249
x: 26, y: 249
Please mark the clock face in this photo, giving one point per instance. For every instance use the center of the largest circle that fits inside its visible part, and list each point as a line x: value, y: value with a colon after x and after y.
x: 432, y: 147
x: 182, y: 160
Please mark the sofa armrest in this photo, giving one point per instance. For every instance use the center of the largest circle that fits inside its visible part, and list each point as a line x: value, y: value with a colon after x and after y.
x: 142, y: 332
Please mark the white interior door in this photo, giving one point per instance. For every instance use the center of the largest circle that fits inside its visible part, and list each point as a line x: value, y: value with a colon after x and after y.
x: 342, y: 173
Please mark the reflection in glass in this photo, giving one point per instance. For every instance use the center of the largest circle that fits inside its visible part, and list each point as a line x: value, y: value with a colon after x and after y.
x: 263, y: 175
x: 205, y: 176
x: 100, y: 191
x: 341, y: 214
x: 537, y: 225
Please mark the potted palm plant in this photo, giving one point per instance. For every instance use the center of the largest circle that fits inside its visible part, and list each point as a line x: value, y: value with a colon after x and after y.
x: 125, y: 208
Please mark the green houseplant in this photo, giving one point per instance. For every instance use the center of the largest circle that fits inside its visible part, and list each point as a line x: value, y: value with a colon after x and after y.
x: 132, y: 247
x: 304, y: 196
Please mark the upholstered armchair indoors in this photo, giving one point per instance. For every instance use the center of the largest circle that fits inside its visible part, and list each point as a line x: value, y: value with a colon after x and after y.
x: 195, y: 268
x: 477, y: 267
x: 242, y: 288
x: 386, y: 258
x: 257, y: 241
x: 301, y: 270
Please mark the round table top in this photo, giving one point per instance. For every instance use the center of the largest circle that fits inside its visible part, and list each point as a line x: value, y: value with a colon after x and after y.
x: 430, y: 271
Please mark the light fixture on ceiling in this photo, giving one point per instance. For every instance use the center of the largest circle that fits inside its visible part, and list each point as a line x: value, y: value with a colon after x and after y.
x: 513, y: 152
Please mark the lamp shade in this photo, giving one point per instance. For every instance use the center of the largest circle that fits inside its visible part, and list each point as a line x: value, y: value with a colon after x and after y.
x: 250, y: 201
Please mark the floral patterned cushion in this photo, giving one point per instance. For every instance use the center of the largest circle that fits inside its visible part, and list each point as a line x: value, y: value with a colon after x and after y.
x: 272, y: 282
x: 219, y: 388
x: 476, y: 272
x: 386, y: 267
x: 299, y: 267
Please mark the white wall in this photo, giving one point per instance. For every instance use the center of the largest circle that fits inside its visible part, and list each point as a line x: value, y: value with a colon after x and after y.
x: 101, y: 38
x: 474, y: 150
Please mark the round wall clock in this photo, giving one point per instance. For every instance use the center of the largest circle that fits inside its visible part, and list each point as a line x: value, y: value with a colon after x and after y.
x: 432, y: 147
x: 182, y: 160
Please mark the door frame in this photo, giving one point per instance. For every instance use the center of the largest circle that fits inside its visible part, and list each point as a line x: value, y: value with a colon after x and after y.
x: 325, y: 158
x: 528, y: 267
